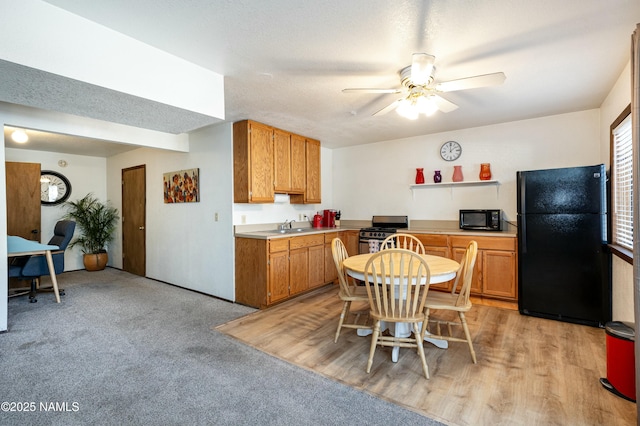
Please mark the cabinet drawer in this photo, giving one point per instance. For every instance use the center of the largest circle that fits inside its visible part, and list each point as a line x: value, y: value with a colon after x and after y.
x: 491, y: 243
x: 306, y: 241
x: 434, y: 240
x: 329, y: 236
x: 280, y: 244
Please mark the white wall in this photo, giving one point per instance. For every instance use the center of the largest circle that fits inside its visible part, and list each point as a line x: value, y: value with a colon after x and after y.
x: 86, y: 174
x: 184, y: 244
x: 377, y: 176
x: 622, y: 272
x: 33, y: 118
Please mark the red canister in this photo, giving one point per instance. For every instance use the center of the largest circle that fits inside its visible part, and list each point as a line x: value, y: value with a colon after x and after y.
x: 621, y: 366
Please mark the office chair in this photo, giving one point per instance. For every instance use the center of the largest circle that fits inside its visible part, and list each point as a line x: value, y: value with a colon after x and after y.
x: 36, y: 266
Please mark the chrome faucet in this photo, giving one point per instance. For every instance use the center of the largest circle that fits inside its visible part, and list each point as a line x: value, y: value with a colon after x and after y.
x: 287, y: 224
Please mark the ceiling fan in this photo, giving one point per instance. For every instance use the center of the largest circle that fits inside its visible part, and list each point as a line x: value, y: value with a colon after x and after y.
x: 420, y: 91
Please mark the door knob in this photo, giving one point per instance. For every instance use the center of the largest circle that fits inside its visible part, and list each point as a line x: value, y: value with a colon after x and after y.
x: 141, y: 228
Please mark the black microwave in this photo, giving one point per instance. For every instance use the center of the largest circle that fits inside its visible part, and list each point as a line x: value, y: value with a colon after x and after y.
x: 481, y: 220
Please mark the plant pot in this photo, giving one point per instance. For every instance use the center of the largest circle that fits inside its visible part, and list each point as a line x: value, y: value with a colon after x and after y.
x: 95, y: 261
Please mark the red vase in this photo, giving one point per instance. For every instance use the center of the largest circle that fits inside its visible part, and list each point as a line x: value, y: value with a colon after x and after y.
x: 419, y: 176
x: 485, y: 171
x: 457, y: 174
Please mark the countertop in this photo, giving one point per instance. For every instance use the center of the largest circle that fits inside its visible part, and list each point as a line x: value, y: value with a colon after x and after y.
x: 269, y: 231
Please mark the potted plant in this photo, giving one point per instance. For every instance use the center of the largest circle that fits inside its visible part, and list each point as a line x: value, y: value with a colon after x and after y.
x: 97, y: 222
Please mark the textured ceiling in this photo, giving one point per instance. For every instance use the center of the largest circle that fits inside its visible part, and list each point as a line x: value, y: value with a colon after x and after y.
x: 286, y: 61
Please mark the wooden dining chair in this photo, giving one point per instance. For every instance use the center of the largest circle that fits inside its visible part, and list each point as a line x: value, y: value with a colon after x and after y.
x: 457, y: 300
x: 397, y: 286
x: 404, y: 241
x: 349, y: 292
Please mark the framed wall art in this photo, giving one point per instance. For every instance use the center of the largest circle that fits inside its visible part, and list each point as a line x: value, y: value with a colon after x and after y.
x: 181, y: 186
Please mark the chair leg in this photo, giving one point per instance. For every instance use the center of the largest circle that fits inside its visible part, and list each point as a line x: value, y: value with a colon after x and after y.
x: 468, y: 336
x: 34, y: 289
x: 420, y: 345
x: 374, y: 343
x: 345, y: 312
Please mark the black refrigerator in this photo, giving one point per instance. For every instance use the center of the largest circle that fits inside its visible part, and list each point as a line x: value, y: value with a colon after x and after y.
x: 563, y: 262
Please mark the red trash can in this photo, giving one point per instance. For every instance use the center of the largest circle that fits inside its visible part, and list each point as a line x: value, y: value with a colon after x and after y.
x: 621, y: 365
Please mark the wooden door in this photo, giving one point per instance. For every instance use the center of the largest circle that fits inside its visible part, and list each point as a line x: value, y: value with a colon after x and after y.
x: 498, y: 273
x: 298, y: 166
x: 313, y: 188
x: 299, y: 270
x: 23, y: 200
x: 282, y: 161
x: 316, y: 266
x: 278, y: 276
x: 133, y: 220
x: 260, y: 163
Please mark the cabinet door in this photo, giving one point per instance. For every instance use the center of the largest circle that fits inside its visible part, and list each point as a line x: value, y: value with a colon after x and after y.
x: 298, y: 164
x: 298, y: 270
x: 352, y: 241
x: 498, y: 273
x: 442, y: 252
x: 281, y: 161
x: 278, y: 276
x: 476, y: 281
x: 260, y: 163
x: 316, y: 266
x: 312, y: 187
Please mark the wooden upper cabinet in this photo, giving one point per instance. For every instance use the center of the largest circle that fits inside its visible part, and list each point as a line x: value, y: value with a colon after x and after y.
x: 252, y: 163
x: 282, y: 161
x: 267, y: 161
x: 312, y: 191
x: 298, y: 164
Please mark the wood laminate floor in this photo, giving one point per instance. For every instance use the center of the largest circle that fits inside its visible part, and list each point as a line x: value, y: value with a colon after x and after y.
x: 530, y: 371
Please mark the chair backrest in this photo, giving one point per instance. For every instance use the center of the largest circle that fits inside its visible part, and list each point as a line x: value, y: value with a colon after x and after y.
x: 403, y: 241
x: 36, y: 266
x: 397, y: 284
x: 62, y: 233
x: 339, y: 252
x: 465, y: 273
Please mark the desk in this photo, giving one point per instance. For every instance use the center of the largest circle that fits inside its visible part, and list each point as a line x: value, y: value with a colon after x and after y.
x: 441, y: 269
x: 18, y: 246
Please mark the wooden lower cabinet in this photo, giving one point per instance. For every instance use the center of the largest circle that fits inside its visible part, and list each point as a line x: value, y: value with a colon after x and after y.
x: 330, y: 271
x: 496, y: 265
x: 270, y: 271
x: 437, y: 245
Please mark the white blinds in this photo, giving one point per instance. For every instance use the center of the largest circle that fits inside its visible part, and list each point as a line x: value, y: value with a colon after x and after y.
x: 623, y: 185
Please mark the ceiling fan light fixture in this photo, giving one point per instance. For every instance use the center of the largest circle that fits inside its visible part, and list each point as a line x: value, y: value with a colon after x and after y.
x: 407, y: 109
x: 19, y: 136
x: 427, y: 105
x: 421, y: 69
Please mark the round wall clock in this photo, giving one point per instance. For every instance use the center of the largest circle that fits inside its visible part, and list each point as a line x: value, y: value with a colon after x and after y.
x: 55, y: 188
x: 450, y: 151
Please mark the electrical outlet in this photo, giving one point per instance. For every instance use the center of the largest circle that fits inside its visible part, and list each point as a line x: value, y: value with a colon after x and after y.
x: 300, y: 217
x: 243, y: 219
x: 216, y: 216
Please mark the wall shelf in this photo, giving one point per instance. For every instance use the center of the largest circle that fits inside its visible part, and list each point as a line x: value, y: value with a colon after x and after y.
x: 454, y: 184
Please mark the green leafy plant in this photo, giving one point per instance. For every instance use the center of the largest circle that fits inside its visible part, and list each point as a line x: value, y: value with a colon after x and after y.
x: 96, y: 220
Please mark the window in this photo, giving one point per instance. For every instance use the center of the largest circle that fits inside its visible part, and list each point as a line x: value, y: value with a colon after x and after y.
x: 622, y: 182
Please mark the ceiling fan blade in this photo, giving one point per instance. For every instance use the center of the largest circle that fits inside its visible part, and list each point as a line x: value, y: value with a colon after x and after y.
x: 443, y: 104
x: 471, y: 82
x: 363, y: 90
x: 388, y: 108
x: 421, y: 68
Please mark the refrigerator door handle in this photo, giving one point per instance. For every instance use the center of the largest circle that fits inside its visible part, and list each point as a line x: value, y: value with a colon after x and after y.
x: 522, y: 229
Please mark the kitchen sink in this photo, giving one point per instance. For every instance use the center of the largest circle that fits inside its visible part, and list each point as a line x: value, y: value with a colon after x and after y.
x: 287, y: 231
x: 293, y: 230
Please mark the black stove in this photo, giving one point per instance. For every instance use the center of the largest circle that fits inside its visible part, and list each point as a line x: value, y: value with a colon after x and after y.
x: 382, y: 227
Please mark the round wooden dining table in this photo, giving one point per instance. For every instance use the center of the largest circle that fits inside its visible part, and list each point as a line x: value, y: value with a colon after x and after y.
x: 441, y: 270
